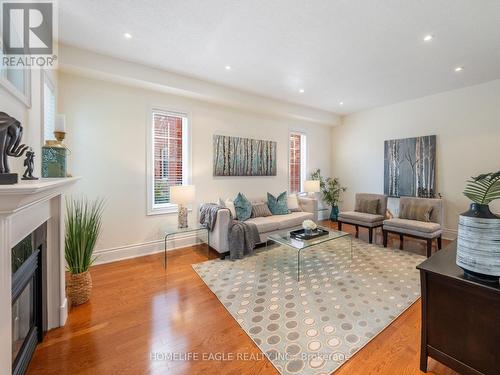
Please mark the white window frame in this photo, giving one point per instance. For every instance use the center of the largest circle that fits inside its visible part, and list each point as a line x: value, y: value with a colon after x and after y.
x: 24, y: 94
x: 303, y: 158
x: 46, y: 80
x: 166, y: 208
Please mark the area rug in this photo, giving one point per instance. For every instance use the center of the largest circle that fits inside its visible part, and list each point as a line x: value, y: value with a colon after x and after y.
x: 339, y: 305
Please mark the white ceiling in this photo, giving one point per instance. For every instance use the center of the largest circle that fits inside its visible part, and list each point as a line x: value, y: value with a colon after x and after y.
x: 366, y: 53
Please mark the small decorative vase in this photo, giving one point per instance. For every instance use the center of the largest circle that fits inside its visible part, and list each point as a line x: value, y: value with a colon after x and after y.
x: 334, y: 213
x: 478, y: 247
x: 308, y: 232
x: 79, y: 288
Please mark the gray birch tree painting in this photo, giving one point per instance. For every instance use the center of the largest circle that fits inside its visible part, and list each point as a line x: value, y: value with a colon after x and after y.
x: 410, y: 167
x: 235, y: 156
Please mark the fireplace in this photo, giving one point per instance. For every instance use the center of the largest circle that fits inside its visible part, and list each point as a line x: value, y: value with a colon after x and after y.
x: 32, y: 283
x: 27, y: 298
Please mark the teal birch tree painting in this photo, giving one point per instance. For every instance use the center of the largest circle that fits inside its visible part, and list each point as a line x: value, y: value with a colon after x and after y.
x: 235, y: 156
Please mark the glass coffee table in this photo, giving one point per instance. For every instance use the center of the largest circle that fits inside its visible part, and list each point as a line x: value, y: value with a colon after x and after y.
x: 284, y: 238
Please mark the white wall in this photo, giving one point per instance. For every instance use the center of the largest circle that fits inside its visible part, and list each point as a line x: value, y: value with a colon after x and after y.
x: 467, y: 125
x: 107, y: 127
x: 30, y: 118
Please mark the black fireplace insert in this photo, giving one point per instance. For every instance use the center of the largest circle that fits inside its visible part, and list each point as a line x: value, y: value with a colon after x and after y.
x: 27, y: 298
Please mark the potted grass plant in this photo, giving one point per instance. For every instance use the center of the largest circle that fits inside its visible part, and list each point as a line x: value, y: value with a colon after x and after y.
x: 479, y: 230
x: 83, y: 226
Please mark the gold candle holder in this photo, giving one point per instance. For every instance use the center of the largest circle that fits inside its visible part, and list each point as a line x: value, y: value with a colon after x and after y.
x: 60, y: 136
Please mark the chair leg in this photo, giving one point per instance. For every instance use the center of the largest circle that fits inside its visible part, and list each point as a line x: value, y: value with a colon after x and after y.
x: 384, y: 235
x: 357, y: 231
x: 401, y: 238
x: 339, y: 225
x: 440, y: 243
x: 429, y: 247
x: 370, y: 235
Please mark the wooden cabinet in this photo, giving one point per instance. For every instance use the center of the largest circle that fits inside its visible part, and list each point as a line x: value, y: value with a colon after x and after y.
x: 460, y: 317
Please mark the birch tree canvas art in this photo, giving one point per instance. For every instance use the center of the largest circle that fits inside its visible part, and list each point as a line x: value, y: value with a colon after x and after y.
x: 234, y: 156
x: 410, y: 167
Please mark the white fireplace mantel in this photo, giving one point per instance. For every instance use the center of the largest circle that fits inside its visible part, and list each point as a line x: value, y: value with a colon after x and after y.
x: 17, y: 197
x: 23, y: 208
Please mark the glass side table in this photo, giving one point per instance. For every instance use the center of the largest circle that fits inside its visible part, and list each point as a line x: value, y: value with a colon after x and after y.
x: 172, y: 231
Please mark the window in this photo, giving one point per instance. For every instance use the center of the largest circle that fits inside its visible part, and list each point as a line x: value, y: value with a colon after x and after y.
x: 297, y: 162
x: 17, y: 81
x: 168, y: 159
x: 49, y: 109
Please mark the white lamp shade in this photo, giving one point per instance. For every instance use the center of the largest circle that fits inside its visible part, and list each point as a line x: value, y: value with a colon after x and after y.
x: 183, y: 194
x: 311, y: 186
x: 60, y: 124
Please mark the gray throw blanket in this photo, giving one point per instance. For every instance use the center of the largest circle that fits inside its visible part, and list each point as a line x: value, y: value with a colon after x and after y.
x: 242, y: 237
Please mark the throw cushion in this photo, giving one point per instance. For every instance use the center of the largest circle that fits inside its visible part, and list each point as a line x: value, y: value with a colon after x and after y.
x: 293, y: 204
x: 416, y: 212
x: 260, y: 210
x: 278, y: 206
x: 368, y: 206
x: 243, y: 207
x: 229, y: 204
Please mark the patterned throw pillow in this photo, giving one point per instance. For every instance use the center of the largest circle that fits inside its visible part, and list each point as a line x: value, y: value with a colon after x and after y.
x: 260, y: 210
x: 243, y: 207
x: 416, y: 212
x: 278, y: 206
x: 368, y: 206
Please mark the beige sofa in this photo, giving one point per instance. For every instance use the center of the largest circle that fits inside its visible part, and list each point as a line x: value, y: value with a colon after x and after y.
x: 362, y: 219
x: 265, y: 225
x: 424, y: 230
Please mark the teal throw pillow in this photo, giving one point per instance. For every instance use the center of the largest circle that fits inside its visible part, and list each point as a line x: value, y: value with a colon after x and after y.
x: 278, y: 206
x: 243, y: 207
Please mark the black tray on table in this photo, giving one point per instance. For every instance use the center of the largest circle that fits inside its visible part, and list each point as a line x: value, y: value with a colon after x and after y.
x: 300, y: 234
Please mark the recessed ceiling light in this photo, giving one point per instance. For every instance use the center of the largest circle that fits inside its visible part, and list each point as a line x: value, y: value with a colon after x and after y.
x: 459, y: 69
x: 428, y: 38
x: 301, y: 91
x: 127, y: 36
x: 341, y: 103
x: 228, y: 67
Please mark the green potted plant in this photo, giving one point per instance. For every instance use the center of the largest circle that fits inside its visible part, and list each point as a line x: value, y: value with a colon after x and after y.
x: 331, y: 192
x: 478, y: 243
x: 83, y: 226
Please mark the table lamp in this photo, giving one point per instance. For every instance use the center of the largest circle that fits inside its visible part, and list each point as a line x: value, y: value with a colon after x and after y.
x: 312, y: 186
x: 182, y: 195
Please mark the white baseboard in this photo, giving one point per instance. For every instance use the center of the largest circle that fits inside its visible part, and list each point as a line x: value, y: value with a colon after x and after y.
x: 146, y: 248
x: 63, y: 312
x: 450, y: 234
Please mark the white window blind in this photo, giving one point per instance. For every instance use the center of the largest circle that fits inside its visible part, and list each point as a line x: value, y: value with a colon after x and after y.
x: 169, y: 155
x: 49, y: 112
x: 297, y: 162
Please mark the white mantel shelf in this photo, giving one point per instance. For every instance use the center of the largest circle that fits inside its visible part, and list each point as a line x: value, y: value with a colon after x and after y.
x: 19, y: 196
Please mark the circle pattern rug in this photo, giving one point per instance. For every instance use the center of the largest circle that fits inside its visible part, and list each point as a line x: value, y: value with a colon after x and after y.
x: 339, y: 305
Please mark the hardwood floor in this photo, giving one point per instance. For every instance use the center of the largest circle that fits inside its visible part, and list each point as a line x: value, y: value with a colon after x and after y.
x: 137, y: 309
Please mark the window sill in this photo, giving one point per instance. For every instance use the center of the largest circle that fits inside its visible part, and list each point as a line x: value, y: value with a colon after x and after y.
x: 165, y: 210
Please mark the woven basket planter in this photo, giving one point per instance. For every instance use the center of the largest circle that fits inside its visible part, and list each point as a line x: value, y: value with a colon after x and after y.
x: 79, y: 288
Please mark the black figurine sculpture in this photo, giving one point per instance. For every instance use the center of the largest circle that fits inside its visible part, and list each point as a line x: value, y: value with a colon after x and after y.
x: 11, y: 133
x: 29, y: 163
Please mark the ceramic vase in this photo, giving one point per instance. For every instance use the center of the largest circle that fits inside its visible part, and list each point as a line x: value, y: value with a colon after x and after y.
x: 478, y: 247
x: 334, y: 213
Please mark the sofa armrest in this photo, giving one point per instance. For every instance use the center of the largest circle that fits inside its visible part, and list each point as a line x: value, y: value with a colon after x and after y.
x: 219, y: 235
x: 309, y: 205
